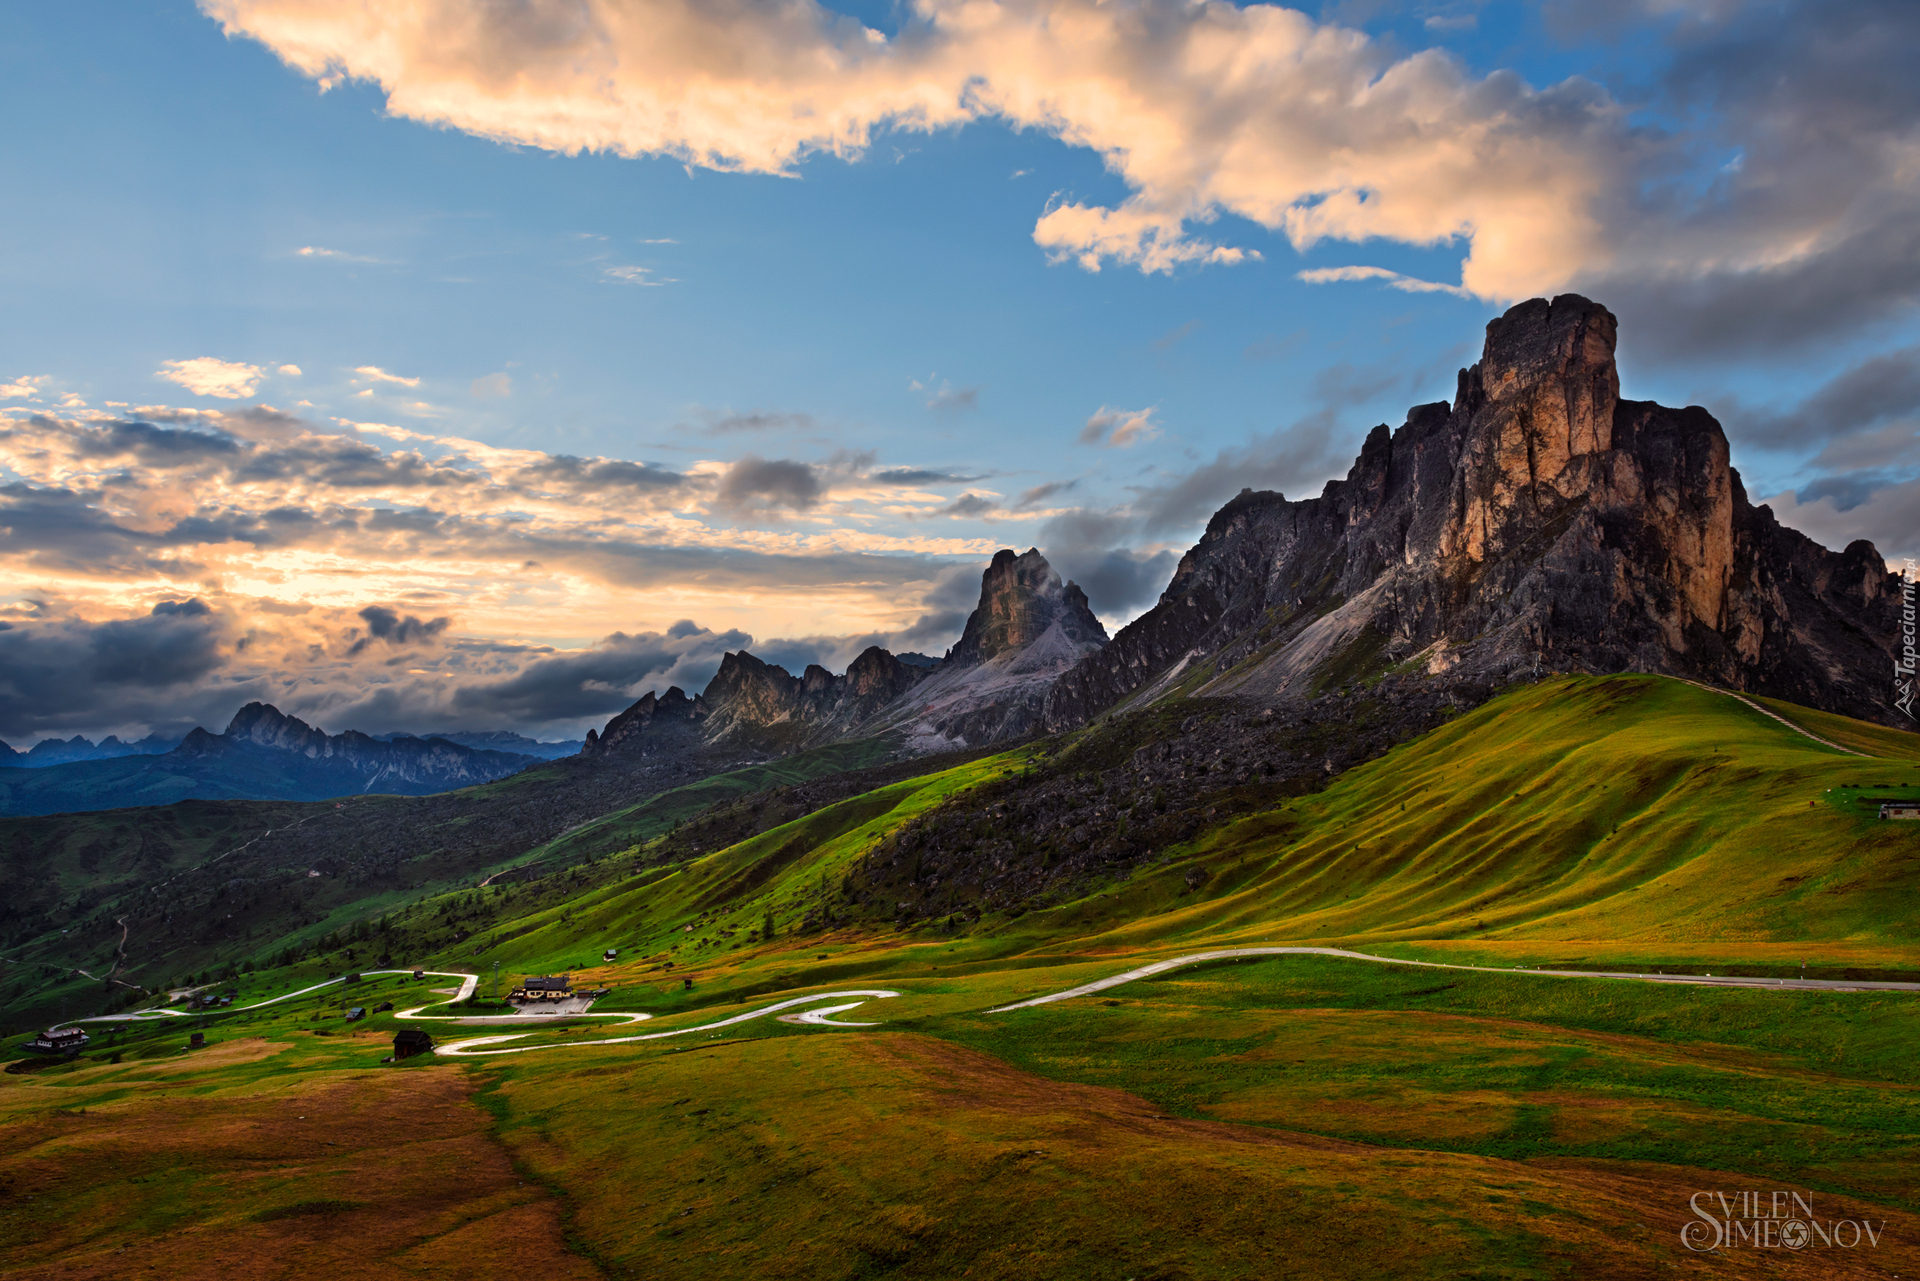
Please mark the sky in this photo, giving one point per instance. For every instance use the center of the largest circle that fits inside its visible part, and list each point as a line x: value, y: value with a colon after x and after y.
x: 447, y: 364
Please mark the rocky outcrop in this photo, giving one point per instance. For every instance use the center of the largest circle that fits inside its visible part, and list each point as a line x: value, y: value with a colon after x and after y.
x: 669, y: 722
x: 1539, y: 521
x: 1028, y: 629
x: 761, y: 703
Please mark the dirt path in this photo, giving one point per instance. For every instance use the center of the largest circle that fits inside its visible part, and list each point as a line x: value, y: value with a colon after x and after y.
x: 1798, y: 729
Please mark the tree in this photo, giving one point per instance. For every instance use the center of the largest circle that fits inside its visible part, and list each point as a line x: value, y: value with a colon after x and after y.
x: 766, y: 927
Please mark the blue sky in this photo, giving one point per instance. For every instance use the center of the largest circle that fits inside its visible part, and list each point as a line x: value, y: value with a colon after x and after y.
x: 853, y: 365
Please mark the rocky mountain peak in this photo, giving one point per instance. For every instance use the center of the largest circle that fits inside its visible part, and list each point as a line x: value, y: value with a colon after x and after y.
x: 1021, y: 596
x: 1540, y: 521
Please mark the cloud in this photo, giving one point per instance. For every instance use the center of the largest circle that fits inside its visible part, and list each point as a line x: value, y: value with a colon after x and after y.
x: 603, y: 680
x: 1314, y: 131
x: 1406, y: 284
x: 1171, y: 339
x: 629, y: 275
x: 491, y: 386
x: 726, y: 424
x: 314, y: 251
x: 1886, y: 514
x: 1087, y: 547
x: 1878, y: 392
x: 1201, y: 109
x: 27, y: 387
x: 908, y: 476
x: 755, y: 485
x: 1119, y: 427
x: 206, y: 376
x: 949, y: 399
x: 1040, y: 493
x: 60, y: 671
x: 291, y: 371
x: 376, y: 374
x: 968, y: 505
x: 398, y: 631
x: 327, y: 554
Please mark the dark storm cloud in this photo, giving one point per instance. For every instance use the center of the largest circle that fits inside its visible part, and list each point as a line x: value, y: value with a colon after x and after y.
x: 57, y: 673
x: 1812, y: 103
x: 756, y: 485
x: 388, y: 625
x: 604, y: 680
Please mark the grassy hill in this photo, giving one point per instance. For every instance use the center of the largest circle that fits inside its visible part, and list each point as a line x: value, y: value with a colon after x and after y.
x: 1344, y: 1118
x: 1632, y: 820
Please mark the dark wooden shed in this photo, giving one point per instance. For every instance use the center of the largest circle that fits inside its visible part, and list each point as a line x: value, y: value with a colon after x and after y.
x: 410, y: 1041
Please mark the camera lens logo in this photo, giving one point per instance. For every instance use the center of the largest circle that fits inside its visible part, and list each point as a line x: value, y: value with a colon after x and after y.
x: 1794, y: 1234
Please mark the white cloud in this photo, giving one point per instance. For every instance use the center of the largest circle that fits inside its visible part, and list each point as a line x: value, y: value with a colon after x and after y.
x: 1119, y: 427
x: 291, y: 371
x: 379, y: 375
x: 632, y: 276
x: 1203, y: 108
x: 492, y: 385
x: 27, y: 387
x: 1408, y: 284
x: 206, y: 376
x: 314, y: 251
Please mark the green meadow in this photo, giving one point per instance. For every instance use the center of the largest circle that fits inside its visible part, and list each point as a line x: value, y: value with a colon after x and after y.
x: 1278, y: 1116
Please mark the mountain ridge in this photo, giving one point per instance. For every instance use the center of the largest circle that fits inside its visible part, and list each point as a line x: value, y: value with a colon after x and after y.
x: 1538, y: 521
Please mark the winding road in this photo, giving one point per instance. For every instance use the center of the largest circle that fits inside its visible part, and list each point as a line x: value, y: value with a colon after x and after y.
x: 1705, y: 980
x: 823, y: 1016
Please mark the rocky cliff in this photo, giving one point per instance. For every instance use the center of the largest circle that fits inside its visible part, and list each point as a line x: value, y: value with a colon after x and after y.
x: 760, y: 702
x: 654, y: 724
x: 1539, y: 521
x: 1028, y: 629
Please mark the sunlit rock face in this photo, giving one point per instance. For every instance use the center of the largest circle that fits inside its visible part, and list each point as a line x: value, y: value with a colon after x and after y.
x: 1537, y: 521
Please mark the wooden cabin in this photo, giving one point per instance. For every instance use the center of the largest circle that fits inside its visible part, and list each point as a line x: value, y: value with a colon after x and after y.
x: 409, y: 1041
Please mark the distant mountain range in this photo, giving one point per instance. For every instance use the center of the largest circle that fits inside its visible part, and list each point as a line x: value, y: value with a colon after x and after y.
x: 263, y: 755
x: 54, y: 751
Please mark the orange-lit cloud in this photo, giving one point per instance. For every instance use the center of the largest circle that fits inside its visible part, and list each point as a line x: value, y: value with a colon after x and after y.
x: 329, y: 562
